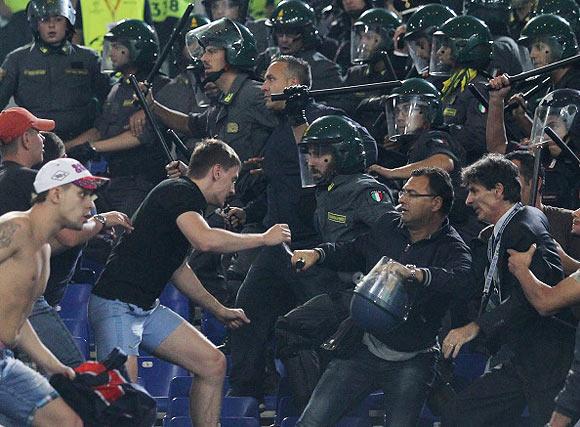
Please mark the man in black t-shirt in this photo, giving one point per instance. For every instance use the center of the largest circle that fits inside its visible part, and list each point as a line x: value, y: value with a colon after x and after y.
x: 124, y: 310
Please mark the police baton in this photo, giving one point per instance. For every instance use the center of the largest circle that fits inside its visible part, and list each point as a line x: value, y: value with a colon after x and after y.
x: 321, y: 93
x: 527, y: 95
x: 150, y: 117
x: 179, y: 144
x: 167, y: 48
x: 542, y: 70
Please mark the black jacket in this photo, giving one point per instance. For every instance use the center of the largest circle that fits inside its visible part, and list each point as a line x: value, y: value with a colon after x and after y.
x: 444, y: 256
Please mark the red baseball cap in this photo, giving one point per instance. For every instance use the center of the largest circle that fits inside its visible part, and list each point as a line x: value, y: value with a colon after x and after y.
x: 17, y: 120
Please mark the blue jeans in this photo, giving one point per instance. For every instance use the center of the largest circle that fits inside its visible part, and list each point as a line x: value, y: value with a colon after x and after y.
x: 54, y: 334
x: 347, y: 382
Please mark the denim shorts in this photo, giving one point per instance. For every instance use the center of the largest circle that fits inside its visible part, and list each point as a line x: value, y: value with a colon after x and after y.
x: 119, y: 324
x: 22, y: 390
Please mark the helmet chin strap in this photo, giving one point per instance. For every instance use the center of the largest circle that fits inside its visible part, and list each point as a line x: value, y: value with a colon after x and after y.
x: 212, y: 77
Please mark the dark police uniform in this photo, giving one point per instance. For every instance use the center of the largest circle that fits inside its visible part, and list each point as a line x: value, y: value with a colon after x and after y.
x: 136, y: 171
x: 461, y: 108
x: 347, y: 207
x: 241, y: 120
x: 64, y: 84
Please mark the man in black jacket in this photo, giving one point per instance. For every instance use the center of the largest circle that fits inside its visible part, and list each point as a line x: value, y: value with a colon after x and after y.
x: 525, y: 368
x: 435, y: 261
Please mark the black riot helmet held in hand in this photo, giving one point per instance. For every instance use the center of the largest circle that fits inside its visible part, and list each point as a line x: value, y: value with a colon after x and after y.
x: 331, y: 145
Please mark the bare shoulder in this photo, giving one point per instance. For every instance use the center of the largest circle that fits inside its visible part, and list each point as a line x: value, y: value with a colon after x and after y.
x: 13, y: 225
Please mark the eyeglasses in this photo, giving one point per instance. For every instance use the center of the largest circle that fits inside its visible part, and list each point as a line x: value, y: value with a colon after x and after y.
x: 413, y: 194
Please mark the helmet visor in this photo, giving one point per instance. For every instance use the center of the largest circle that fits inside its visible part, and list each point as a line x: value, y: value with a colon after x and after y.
x: 316, y: 163
x: 443, y: 55
x: 408, y: 115
x: 559, y: 118
x: 420, y: 51
x: 365, y: 41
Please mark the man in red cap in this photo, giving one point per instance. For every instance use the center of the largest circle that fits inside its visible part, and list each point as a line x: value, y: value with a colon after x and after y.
x: 64, y: 195
x: 21, y: 147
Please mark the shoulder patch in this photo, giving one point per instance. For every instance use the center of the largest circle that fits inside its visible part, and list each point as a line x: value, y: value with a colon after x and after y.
x: 377, y: 195
x: 481, y: 108
x: 449, y: 112
x: 334, y: 217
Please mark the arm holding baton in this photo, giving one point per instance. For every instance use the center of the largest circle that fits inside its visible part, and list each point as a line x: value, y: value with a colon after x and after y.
x: 321, y: 93
x: 545, y: 69
x: 150, y: 118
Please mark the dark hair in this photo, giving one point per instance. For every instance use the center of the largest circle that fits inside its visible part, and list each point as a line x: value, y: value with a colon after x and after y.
x: 210, y: 152
x: 38, y: 198
x: 493, y: 169
x: 297, y: 68
x: 439, y: 184
x: 526, y: 167
x: 53, y: 147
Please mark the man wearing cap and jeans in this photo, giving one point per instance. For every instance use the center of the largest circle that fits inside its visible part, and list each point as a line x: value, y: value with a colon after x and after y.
x: 64, y: 194
x: 21, y: 146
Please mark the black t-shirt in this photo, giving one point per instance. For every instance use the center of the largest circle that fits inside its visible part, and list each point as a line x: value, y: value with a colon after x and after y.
x: 143, y: 261
x: 16, y: 186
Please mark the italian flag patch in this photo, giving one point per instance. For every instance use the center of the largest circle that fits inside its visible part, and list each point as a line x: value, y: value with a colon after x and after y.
x: 377, y: 196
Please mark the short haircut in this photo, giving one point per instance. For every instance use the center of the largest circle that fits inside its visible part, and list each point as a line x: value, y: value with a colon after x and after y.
x: 493, y: 169
x: 296, y: 68
x: 439, y: 184
x: 53, y: 147
x: 208, y: 153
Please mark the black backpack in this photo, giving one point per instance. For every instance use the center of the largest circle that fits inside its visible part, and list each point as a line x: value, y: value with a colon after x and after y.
x: 102, y: 396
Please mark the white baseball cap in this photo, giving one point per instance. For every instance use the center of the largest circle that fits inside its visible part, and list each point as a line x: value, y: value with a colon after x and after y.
x: 65, y: 171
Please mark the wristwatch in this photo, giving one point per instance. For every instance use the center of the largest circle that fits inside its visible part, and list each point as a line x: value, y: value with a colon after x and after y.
x: 100, y: 218
x: 413, y: 268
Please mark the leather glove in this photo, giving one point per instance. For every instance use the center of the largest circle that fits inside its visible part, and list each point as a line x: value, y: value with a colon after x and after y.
x: 296, y: 99
x: 83, y: 152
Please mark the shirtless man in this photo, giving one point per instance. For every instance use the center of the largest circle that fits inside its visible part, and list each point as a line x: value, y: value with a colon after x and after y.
x: 64, y: 197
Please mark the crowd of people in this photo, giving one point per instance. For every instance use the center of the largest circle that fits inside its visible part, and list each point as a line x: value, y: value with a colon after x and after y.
x: 449, y: 176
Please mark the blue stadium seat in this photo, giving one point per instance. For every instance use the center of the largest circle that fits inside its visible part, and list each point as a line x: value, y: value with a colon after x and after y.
x: 345, y: 422
x: 232, y: 407
x: 239, y: 422
x: 74, y: 303
x: 156, y: 375
x: 78, y: 328
x: 83, y: 346
x: 170, y: 293
x: 212, y: 328
x: 225, y: 422
x: 178, y: 407
x: 240, y: 407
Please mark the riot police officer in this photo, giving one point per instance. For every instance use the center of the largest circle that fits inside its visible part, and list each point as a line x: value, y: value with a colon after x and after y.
x: 567, y: 9
x: 415, y: 121
x: 506, y: 54
x: 135, y: 163
x: 293, y: 26
x: 348, y: 202
x: 53, y: 77
x: 419, y: 33
x: 462, y: 51
x: 240, y: 117
x: 371, y: 53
